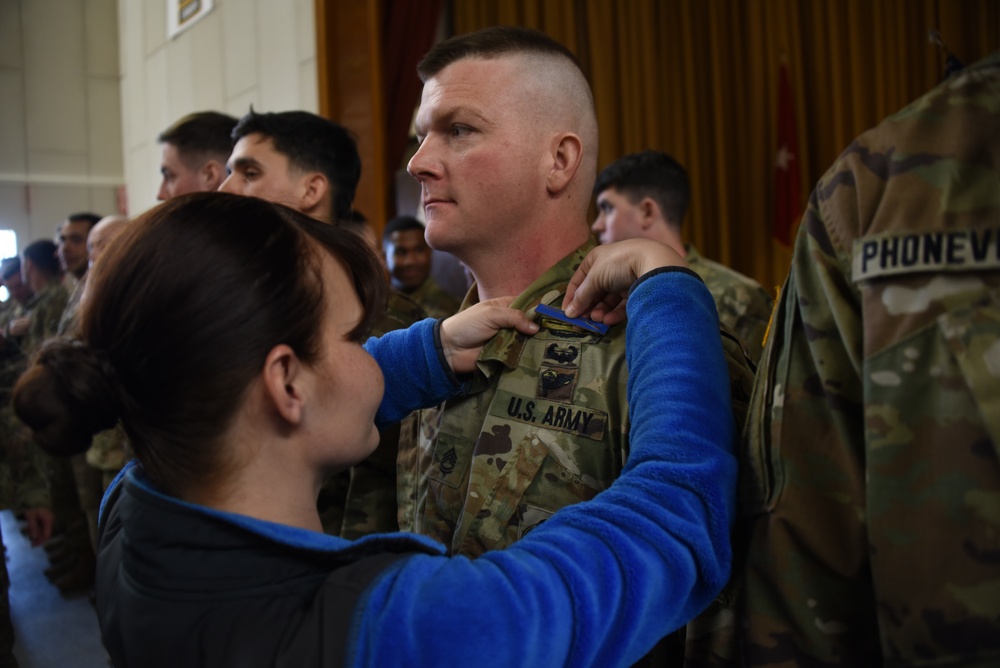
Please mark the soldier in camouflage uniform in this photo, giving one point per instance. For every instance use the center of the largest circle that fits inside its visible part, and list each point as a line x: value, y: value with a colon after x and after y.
x: 193, y: 153
x: 408, y: 259
x: 40, y: 270
x: 506, y: 164
x: 23, y: 485
x: 645, y: 195
x: 873, y: 486
x: 22, y: 482
x: 311, y: 164
x: 73, y: 566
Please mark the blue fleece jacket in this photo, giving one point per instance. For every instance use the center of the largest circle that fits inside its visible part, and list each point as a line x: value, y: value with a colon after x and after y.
x: 599, y: 583
x: 596, y: 585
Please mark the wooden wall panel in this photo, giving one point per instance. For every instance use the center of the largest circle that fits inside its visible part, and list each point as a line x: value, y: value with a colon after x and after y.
x: 349, y: 66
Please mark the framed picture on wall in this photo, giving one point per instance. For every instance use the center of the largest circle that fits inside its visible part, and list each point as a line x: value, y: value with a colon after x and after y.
x: 182, y: 14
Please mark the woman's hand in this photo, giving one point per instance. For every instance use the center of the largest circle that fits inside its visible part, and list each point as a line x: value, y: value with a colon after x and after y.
x: 464, y: 334
x: 599, y: 287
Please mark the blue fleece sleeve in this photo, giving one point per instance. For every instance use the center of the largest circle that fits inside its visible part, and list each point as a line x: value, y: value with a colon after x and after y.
x: 414, y: 370
x: 600, y: 582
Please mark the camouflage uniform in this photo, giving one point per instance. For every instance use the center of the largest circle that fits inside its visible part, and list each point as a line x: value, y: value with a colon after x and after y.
x: 46, y: 311
x: 742, y: 303
x: 874, y: 486
x: 11, y: 356
x: 109, y: 453
x: 546, y: 425
x: 436, y: 302
x: 362, y: 500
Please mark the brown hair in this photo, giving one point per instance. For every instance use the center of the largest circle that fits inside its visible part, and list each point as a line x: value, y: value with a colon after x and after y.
x: 180, y: 315
x: 200, y: 137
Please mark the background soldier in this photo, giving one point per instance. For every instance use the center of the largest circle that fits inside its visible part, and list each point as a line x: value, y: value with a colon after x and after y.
x: 193, y: 153
x: 311, y: 164
x: 645, y: 196
x: 408, y: 258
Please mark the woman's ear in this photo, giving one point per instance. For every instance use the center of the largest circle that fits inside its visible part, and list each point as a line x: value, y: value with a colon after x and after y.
x: 284, y: 383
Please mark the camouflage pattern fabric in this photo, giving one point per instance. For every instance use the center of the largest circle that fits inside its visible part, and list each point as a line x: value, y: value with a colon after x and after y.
x: 544, y: 426
x: 873, y: 482
x: 23, y: 482
x: 70, y: 318
x: 744, y: 306
x: 9, y: 310
x: 362, y: 500
x: 46, y: 311
x: 109, y: 451
x: 11, y: 356
x: 435, y: 302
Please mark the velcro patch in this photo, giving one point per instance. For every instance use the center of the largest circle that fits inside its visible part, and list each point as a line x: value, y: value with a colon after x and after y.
x: 579, y: 421
x: 892, y: 253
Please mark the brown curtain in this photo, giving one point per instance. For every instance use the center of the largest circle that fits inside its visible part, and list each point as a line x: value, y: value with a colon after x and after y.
x: 407, y: 33
x: 699, y: 78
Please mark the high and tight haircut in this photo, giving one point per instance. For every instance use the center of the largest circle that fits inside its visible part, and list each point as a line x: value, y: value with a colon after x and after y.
x: 201, y: 136
x: 170, y: 353
x: 42, y: 254
x: 311, y: 143
x: 90, y: 219
x: 489, y: 43
x: 401, y: 224
x: 649, y: 174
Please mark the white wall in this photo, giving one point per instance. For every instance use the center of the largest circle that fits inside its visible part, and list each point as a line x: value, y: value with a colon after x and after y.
x: 60, y: 125
x: 259, y: 52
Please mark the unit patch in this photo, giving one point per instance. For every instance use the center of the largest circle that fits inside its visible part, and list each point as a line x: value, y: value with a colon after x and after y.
x: 557, y: 383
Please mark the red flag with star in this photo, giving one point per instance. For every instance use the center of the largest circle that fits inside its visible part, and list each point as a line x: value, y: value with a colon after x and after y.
x: 787, y: 185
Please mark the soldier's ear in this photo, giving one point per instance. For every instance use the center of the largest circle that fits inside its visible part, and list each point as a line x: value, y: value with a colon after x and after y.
x: 564, y: 156
x: 315, y: 190
x: 649, y: 212
x: 212, y: 175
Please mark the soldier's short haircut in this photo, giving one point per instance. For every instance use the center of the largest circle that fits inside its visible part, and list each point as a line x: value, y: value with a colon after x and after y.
x: 201, y: 136
x: 649, y: 174
x: 490, y: 43
x: 90, y: 219
x: 401, y: 224
x: 311, y: 143
x: 42, y: 254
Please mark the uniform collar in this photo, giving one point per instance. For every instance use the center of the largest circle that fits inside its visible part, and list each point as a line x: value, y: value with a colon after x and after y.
x: 504, y: 349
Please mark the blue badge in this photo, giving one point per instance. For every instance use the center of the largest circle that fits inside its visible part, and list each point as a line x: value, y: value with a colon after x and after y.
x: 583, y: 323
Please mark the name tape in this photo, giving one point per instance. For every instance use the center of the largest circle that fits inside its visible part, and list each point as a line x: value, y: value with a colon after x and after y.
x: 942, y: 250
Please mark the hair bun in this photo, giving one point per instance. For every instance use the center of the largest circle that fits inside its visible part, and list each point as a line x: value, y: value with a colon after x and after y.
x: 67, y: 395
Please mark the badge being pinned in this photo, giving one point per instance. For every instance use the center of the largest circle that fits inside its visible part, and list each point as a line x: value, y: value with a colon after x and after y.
x: 585, y: 324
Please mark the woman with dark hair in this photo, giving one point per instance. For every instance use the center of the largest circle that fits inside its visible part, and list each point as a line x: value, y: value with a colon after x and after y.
x: 225, y: 333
